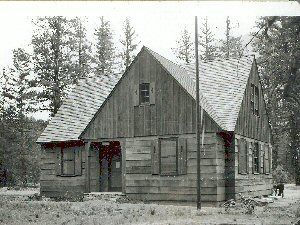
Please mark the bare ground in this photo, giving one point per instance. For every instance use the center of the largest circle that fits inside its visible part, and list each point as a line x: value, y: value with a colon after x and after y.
x: 16, y: 207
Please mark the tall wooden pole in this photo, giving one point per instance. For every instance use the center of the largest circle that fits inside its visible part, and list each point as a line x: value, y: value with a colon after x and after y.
x: 198, y: 131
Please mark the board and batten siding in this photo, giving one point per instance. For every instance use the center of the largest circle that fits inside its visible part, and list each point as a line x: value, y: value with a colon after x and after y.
x: 53, y: 185
x: 248, y: 124
x: 171, y: 109
x: 142, y: 184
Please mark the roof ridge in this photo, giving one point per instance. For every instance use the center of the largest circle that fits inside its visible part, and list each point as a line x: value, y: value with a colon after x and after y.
x: 215, y: 60
x: 165, y: 58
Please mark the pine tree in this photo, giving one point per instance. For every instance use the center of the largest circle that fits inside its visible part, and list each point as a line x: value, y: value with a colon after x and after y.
x: 129, y: 43
x: 208, y: 49
x: 19, y: 89
x: 231, y: 46
x: 105, y: 50
x: 279, y: 56
x: 185, y: 47
x: 2, y: 79
x: 83, y: 48
x: 55, y: 60
x: 19, y: 95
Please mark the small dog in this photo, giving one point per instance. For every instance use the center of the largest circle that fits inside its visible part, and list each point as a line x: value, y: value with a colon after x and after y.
x: 278, y: 189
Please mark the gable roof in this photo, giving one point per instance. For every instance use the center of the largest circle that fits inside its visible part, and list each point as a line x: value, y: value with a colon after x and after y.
x: 223, y: 83
x: 222, y: 86
x: 78, y: 109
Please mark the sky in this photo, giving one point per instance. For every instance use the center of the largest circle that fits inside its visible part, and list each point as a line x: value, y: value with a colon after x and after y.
x: 158, y: 24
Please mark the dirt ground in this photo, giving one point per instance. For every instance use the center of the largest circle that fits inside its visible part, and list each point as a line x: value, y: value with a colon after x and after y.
x: 17, y: 207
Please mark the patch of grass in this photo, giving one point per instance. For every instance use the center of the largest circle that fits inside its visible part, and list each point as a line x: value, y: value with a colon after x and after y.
x: 179, y: 213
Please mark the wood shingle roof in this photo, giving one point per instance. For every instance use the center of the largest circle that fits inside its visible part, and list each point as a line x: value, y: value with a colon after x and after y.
x: 222, y: 86
x: 78, y: 109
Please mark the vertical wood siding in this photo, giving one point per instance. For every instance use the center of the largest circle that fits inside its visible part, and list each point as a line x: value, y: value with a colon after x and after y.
x: 248, y: 124
x: 172, y: 113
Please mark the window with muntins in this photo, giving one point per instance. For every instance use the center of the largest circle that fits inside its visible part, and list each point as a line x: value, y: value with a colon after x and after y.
x: 144, y: 93
x: 168, y: 156
x: 69, y: 162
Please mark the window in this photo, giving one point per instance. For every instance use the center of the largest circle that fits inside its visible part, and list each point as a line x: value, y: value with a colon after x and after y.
x: 168, y: 156
x: 69, y: 161
x: 243, y: 156
x: 254, y: 100
x: 145, y: 93
x: 255, y: 158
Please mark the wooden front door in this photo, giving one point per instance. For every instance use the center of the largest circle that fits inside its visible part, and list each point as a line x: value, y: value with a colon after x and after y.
x: 115, y: 181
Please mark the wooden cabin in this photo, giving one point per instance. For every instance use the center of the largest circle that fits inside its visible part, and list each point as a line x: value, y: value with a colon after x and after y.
x: 135, y: 133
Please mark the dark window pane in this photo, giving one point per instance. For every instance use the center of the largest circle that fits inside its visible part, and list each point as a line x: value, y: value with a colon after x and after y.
x: 168, y: 154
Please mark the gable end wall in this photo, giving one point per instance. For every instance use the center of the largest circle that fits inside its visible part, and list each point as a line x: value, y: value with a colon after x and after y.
x: 172, y: 113
x: 248, y: 124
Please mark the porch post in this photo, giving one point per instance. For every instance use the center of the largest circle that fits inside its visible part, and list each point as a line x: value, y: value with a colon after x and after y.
x: 87, y: 166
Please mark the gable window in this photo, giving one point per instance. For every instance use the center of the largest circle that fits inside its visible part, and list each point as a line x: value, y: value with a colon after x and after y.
x: 254, y: 100
x: 255, y: 158
x: 145, y: 93
x: 69, y: 161
x: 168, y: 156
